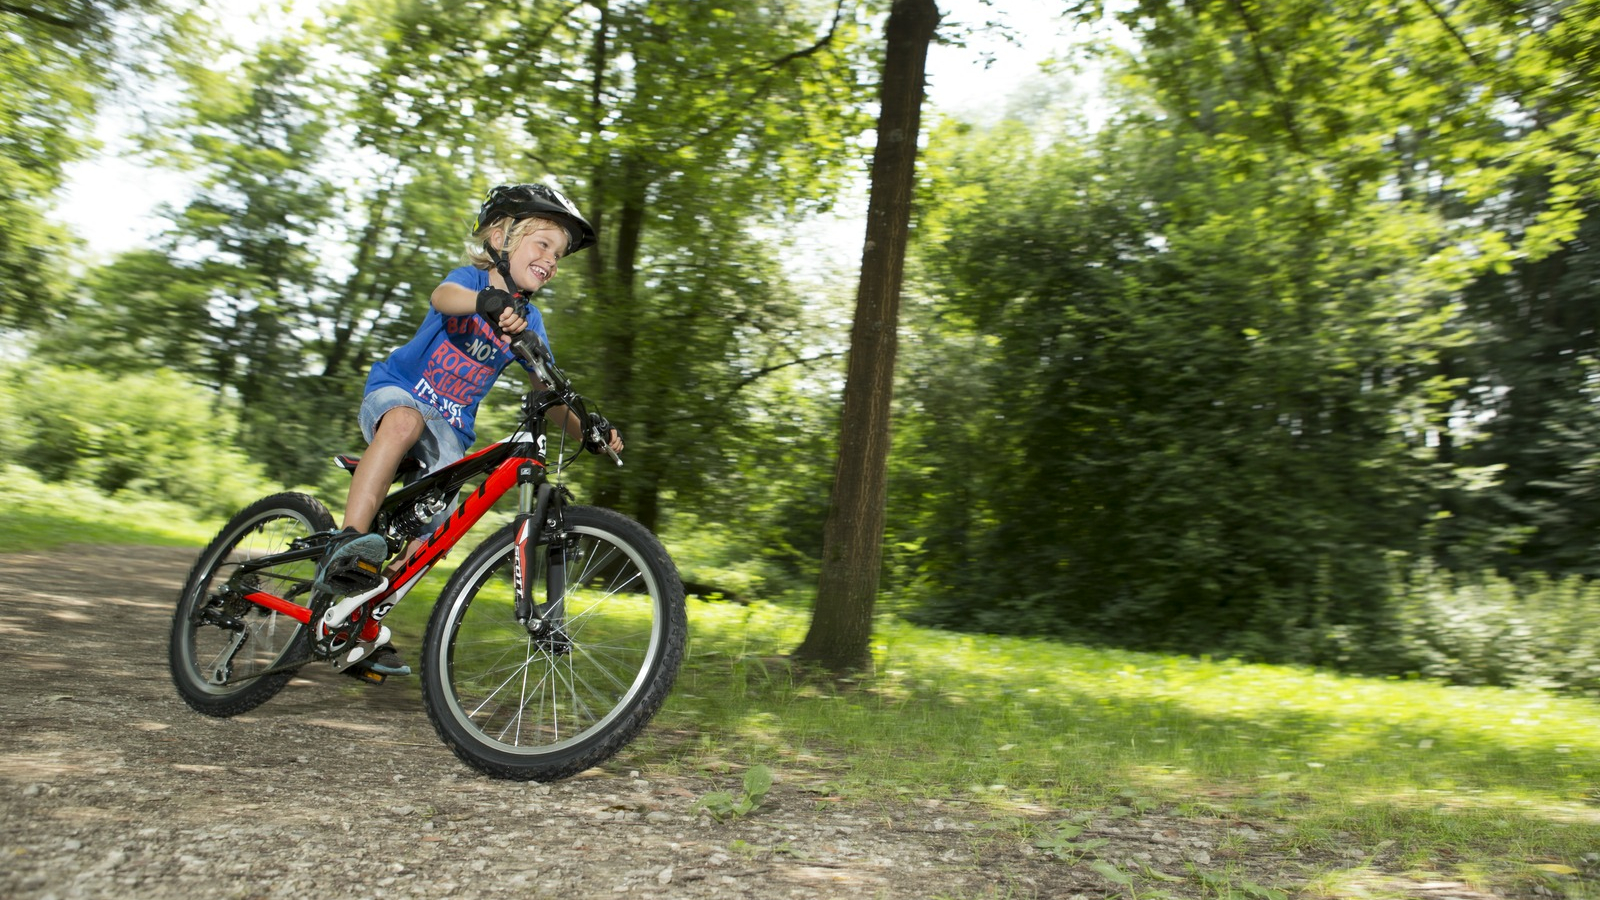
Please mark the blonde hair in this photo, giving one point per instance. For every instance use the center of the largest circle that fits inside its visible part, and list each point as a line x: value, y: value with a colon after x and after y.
x: 515, y: 230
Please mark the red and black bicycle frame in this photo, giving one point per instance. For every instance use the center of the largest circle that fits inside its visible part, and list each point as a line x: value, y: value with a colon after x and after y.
x: 518, y: 461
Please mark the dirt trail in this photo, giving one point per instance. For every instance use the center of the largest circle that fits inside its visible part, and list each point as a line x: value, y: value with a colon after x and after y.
x: 111, y: 787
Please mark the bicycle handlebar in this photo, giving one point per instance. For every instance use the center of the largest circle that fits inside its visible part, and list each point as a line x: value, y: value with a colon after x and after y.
x: 529, y: 347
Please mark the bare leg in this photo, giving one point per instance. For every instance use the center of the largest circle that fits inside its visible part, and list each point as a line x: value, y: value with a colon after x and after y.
x: 397, y: 431
x: 400, y: 560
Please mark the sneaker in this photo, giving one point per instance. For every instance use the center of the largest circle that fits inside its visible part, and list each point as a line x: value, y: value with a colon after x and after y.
x: 376, y: 670
x: 353, y: 563
x: 386, y: 661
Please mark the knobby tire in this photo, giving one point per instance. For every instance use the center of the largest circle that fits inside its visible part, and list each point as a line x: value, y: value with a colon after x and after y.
x: 271, y: 639
x: 517, y: 706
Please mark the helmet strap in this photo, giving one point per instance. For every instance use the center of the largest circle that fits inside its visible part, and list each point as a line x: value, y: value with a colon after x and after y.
x: 502, y: 264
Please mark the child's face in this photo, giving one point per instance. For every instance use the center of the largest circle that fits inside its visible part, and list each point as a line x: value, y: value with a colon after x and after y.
x: 534, y: 259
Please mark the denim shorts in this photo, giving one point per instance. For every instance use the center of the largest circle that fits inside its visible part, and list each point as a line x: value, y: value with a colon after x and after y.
x: 436, y: 448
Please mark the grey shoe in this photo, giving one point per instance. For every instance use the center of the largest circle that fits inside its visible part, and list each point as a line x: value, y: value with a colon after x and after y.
x: 352, y: 563
x: 386, y: 661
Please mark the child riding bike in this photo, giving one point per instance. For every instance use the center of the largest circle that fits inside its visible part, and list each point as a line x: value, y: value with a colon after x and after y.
x: 421, y: 401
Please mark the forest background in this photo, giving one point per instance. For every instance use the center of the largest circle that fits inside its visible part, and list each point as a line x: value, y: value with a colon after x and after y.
x: 1286, y: 352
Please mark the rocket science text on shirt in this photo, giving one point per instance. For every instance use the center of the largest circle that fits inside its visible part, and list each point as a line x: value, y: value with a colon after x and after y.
x: 460, y: 370
x: 452, y: 361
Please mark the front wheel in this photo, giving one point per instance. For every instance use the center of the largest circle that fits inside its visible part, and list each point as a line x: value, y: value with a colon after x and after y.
x: 530, y: 704
x: 220, y: 641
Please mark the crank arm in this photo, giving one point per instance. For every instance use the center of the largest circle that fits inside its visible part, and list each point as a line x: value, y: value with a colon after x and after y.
x: 340, y: 612
x: 347, y: 658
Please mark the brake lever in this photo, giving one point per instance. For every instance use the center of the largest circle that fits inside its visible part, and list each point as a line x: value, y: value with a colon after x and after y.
x: 603, y: 444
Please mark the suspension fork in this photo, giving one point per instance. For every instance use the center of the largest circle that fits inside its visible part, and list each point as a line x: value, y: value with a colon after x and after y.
x: 538, y: 510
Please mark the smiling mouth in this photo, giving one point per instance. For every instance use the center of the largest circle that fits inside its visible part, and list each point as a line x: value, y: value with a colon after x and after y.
x: 541, y: 271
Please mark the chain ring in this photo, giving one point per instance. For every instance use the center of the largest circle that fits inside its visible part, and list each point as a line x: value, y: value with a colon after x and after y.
x: 322, y: 646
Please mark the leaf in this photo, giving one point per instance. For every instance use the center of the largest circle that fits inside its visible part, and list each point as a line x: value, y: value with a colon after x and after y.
x: 719, y: 804
x: 1557, y: 869
x: 1266, y: 893
x: 757, y: 782
x: 1111, y: 872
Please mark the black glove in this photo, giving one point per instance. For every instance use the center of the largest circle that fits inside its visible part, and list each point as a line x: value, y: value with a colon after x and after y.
x: 597, y: 426
x: 492, y: 302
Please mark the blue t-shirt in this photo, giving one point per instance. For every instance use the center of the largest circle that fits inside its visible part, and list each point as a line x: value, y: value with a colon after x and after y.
x: 452, y: 361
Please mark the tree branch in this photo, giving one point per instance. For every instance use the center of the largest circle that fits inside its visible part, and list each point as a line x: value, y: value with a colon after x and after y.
x: 42, y: 17
x: 1280, y: 103
x: 780, y: 62
x: 771, y: 68
x: 763, y: 372
x: 1460, y: 39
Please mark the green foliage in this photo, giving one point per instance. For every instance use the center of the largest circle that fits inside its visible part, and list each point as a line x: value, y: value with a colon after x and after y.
x: 151, y: 435
x: 1213, y: 412
x: 1533, y: 381
x: 1473, y: 123
x: 59, y: 60
x: 1065, y: 841
x: 1482, y: 628
x: 41, y: 515
x: 284, y: 278
x: 1223, y: 346
x: 46, y: 94
x: 723, y: 805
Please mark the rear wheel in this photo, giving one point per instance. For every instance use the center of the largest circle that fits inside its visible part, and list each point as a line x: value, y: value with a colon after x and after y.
x: 545, y: 704
x: 219, y: 639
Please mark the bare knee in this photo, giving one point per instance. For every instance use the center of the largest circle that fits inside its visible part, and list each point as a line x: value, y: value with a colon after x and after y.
x: 401, y: 425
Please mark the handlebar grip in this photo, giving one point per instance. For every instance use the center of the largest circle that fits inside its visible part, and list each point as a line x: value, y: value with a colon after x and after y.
x: 492, y: 302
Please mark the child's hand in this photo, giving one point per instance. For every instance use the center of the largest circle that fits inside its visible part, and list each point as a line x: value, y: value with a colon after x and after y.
x: 492, y: 302
x: 511, y: 323
x: 611, y: 437
x: 500, y: 309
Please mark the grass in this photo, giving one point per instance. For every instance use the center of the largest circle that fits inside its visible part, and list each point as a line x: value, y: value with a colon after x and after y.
x: 39, y: 516
x: 1048, y: 721
x: 1494, y: 787
x: 1489, y: 777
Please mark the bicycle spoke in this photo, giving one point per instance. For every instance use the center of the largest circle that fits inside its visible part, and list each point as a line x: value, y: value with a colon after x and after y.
x: 220, y: 641
x: 530, y: 705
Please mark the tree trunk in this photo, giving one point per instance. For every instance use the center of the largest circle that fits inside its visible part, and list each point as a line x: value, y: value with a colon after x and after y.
x: 852, y: 542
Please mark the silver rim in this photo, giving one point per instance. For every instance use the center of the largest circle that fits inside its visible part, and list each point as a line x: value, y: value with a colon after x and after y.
x: 523, y: 698
x: 268, y: 635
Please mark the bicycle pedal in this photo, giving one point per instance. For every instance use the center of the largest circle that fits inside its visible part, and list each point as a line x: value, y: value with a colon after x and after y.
x: 367, y: 675
x: 352, y: 575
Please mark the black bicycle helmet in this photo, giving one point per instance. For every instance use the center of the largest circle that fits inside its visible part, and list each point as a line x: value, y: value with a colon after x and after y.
x: 523, y: 201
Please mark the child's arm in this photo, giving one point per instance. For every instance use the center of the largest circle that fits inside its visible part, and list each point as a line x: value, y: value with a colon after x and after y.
x: 452, y: 299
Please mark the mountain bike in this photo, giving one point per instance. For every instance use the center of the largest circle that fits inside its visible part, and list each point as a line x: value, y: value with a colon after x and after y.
x: 548, y: 650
